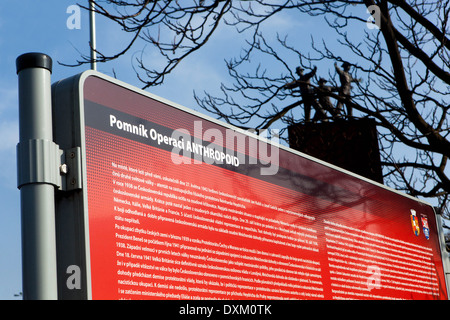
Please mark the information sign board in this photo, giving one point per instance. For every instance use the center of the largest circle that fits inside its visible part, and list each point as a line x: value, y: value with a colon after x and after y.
x: 181, y: 206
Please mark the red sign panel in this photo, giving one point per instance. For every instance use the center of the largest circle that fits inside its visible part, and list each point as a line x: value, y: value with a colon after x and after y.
x: 181, y: 207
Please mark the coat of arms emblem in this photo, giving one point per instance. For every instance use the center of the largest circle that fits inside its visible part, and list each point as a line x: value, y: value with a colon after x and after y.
x: 415, y: 222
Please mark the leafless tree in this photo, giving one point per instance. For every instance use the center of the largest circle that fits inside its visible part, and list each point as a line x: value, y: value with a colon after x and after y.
x: 403, y: 66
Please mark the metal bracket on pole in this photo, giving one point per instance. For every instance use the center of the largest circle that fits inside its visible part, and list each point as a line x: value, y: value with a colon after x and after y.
x: 70, y: 170
x: 39, y: 162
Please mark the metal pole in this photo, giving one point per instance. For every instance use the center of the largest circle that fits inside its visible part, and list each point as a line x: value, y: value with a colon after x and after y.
x: 93, y: 39
x: 37, y: 161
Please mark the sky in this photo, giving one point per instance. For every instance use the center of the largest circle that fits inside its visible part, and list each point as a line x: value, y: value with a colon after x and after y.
x: 42, y: 26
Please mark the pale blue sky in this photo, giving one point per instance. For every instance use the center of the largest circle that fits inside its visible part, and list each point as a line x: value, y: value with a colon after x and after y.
x: 30, y: 26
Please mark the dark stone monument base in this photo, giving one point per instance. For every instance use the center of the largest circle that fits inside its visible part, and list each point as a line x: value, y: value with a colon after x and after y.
x: 349, y: 144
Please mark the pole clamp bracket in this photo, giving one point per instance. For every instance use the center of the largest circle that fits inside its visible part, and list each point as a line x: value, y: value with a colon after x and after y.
x: 41, y: 161
x: 38, y: 161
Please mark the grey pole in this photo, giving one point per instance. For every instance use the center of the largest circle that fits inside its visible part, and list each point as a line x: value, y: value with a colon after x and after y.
x: 38, y: 171
x: 92, y: 32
